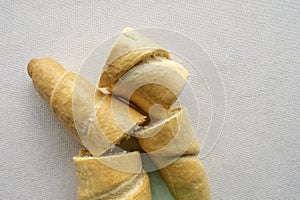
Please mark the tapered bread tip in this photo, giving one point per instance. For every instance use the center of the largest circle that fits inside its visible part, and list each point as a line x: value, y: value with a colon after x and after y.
x: 30, y: 66
x: 45, y: 74
x: 34, y: 63
x: 57, y: 87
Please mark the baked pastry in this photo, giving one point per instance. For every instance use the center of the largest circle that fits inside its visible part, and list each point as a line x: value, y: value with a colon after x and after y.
x: 171, y: 145
x: 140, y: 70
x: 96, y: 120
x: 168, y: 139
x: 143, y: 73
x: 147, y: 79
x: 99, y: 180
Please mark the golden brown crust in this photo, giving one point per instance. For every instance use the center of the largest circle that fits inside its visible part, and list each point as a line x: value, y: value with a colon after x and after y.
x: 112, y: 121
x: 45, y: 74
x: 99, y: 181
x: 155, y: 81
x: 113, y: 71
x: 131, y: 48
x: 186, y: 179
x: 135, y: 58
x: 184, y: 176
x: 144, y: 193
x: 174, y: 136
x: 61, y: 102
x: 58, y: 89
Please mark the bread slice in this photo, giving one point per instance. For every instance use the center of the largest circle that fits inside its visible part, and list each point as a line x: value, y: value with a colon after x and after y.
x: 155, y: 81
x: 111, y: 177
x: 169, y: 138
x: 140, y: 71
x: 131, y: 48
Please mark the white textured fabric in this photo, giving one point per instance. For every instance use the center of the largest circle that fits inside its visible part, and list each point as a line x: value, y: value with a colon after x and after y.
x: 255, y: 45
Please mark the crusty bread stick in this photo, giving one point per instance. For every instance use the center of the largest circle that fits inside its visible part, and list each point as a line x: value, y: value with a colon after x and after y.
x: 56, y: 86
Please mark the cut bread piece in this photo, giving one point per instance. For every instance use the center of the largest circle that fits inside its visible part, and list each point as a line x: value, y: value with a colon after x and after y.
x: 155, y: 81
x: 115, y: 120
x: 96, y: 120
x: 61, y: 101
x: 111, y: 177
x: 169, y: 138
x: 171, y: 145
x: 131, y: 48
x: 140, y: 71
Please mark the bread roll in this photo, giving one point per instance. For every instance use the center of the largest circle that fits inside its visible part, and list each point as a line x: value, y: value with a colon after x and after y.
x: 99, y: 180
x: 139, y: 70
x: 101, y: 120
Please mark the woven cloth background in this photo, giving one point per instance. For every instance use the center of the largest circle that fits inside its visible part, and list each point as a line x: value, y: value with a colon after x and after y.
x: 255, y: 45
